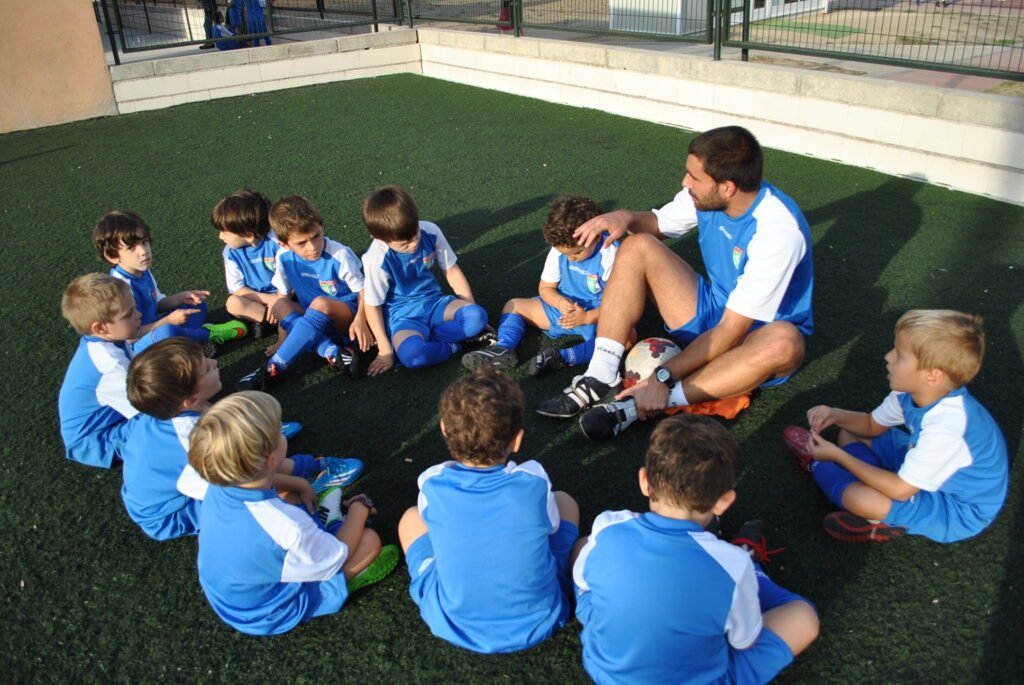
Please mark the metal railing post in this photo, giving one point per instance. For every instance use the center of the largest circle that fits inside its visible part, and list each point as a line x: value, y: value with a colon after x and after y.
x: 719, y: 16
x: 145, y: 10
x: 376, y: 27
x: 408, y: 7
x: 270, y: 16
x: 110, y: 31
x: 745, y: 53
x: 517, y: 18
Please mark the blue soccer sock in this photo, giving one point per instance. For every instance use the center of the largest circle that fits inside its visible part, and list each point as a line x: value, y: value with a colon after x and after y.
x: 305, y: 466
x: 328, y: 349
x: 468, y: 321
x: 305, y: 334
x: 578, y: 354
x: 416, y: 353
x: 288, y: 322
x: 511, y: 329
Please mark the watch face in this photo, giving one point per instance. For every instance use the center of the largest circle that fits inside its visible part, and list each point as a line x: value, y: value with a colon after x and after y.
x: 663, y: 375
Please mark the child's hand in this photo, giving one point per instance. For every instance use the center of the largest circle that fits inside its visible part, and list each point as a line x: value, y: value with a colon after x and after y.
x: 382, y: 363
x: 308, y: 497
x: 820, y: 417
x: 179, y: 316
x: 572, y: 319
x: 566, y: 305
x: 194, y: 296
x: 823, y: 450
x: 361, y: 333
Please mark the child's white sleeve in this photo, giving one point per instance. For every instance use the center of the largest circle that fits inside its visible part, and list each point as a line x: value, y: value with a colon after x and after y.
x: 156, y: 288
x: 112, y: 390
x: 603, y: 520
x: 608, y: 255
x: 350, y: 269
x: 279, y: 280
x: 443, y: 252
x: 232, y: 274
x: 433, y: 471
x: 552, y: 272
x: 535, y: 469
x: 678, y: 217
x: 941, y: 449
x: 311, y: 553
x: 744, y: 623
x: 375, y: 280
x: 889, y: 412
x: 191, y: 484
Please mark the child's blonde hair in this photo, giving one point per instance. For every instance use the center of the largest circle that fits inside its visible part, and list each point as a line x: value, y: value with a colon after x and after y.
x: 232, y: 441
x: 94, y: 298
x: 951, y: 341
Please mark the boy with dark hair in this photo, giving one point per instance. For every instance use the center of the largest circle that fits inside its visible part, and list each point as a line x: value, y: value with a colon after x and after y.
x: 93, y: 404
x: 946, y: 476
x: 327, y: 280
x: 265, y: 565
x: 569, y: 295
x: 661, y: 599
x: 409, y: 315
x: 488, y: 544
x: 250, y: 256
x: 123, y: 240
x: 171, y: 383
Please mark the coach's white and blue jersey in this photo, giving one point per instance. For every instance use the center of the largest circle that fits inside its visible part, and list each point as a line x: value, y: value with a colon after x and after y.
x: 252, y: 267
x: 759, y: 264
x: 145, y: 292
x: 336, y: 274
x: 161, y: 490
x: 957, y: 450
x: 261, y: 560
x: 406, y: 283
x: 93, y: 402
x: 582, y: 282
x: 662, y: 601
x: 497, y: 584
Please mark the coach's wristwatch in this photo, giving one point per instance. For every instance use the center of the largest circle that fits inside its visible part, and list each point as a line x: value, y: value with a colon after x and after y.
x: 663, y: 375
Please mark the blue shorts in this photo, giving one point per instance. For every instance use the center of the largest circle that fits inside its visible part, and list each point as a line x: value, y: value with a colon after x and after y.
x: 760, y: 662
x: 326, y: 596
x: 709, y: 313
x: 422, y: 319
x: 932, y: 514
x: 102, y: 447
x: 587, y: 332
x: 420, y: 560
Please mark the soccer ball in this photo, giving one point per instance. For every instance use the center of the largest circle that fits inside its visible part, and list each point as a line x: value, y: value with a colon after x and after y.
x: 645, y: 357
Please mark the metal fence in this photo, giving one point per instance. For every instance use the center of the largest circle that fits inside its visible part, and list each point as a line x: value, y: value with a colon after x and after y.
x: 984, y: 37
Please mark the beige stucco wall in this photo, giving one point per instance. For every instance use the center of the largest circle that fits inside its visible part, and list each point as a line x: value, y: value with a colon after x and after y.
x: 52, y: 68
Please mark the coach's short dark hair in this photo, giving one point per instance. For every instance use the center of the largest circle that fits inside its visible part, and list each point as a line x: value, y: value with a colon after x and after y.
x: 691, y: 462
x: 730, y: 153
x: 482, y: 414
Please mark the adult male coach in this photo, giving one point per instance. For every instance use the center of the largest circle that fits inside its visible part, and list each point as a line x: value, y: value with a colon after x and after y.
x: 742, y: 326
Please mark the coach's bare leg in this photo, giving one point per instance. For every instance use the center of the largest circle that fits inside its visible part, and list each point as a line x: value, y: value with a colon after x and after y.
x: 645, y: 265
x: 771, y: 351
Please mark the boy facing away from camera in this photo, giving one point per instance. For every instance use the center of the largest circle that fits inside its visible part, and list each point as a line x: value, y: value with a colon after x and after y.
x: 242, y: 220
x: 93, y: 402
x: 488, y: 544
x: 411, y: 318
x: 326, y: 279
x: 568, y: 299
x: 266, y: 565
x: 945, y: 476
x: 123, y: 240
x: 662, y: 600
x: 171, y: 383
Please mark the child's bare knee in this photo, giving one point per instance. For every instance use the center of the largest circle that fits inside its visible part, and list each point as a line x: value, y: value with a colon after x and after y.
x: 321, y: 304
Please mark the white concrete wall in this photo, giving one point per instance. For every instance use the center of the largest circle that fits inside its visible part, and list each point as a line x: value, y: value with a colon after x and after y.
x: 967, y: 141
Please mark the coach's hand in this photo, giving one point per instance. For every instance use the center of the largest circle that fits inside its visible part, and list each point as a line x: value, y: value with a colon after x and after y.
x: 651, y: 397
x: 615, y: 223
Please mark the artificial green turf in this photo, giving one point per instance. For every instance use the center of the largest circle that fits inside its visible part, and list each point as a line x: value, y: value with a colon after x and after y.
x: 87, y: 597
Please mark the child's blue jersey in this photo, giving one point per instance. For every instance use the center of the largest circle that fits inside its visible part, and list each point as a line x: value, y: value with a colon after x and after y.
x: 145, y: 292
x: 582, y: 282
x: 662, y: 601
x: 161, y: 491
x: 406, y: 283
x: 759, y: 264
x: 252, y: 267
x: 498, y: 587
x: 956, y: 450
x: 94, y: 400
x: 336, y: 274
x: 260, y: 559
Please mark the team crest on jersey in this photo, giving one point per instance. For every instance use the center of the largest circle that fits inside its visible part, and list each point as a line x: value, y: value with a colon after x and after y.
x: 737, y: 255
x: 329, y: 287
x: 593, y: 283
x: 428, y: 261
x: 270, y: 263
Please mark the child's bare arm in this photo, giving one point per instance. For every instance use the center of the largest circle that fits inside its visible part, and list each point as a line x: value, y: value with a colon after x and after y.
x: 550, y: 295
x: 355, y: 521
x: 386, y: 354
x: 859, y: 423
x: 886, y: 482
x: 459, y: 283
x: 360, y: 330
x: 299, y: 486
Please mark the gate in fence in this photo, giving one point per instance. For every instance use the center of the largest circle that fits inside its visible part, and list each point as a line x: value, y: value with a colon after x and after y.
x: 982, y: 37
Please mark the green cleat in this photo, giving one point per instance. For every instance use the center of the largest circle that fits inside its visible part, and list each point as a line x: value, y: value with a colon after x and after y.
x: 220, y: 333
x: 377, y: 571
